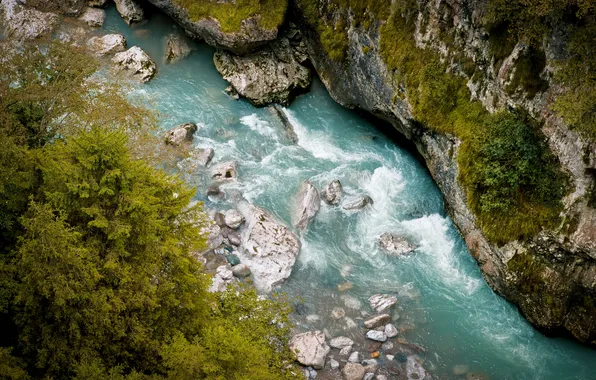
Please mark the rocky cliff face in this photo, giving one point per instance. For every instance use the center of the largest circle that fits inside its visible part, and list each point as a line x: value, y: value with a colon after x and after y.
x: 550, y: 276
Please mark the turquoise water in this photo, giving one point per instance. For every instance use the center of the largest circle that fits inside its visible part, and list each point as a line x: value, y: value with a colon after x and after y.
x: 444, y: 304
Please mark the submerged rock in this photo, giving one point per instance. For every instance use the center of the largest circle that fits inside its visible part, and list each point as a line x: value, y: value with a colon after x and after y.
x: 130, y: 11
x: 341, y: 342
x: 269, y: 247
x: 181, y: 134
x: 395, y: 245
x: 177, y: 48
x: 333, y: 192
x: 278, y: 111
x: 108, y: 44
x: 203, y: 156
x: 375, y: 335
x: 309, y: 203
x: 357, y: 203
x: 377, y: 320
x: 414, y: 370
x: 382, y: 302
x: 136, y: 60
x: 310, y: 348
x: 271, y: 75
x: 93, y: 17
x: 353, y: 371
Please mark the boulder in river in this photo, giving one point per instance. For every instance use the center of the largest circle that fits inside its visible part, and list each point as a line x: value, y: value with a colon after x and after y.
x: 333, y: 192
x: 395, y: 245
x: 269, y: 247
x: 177, y: 48
x: 382, y: 302
x: 108, y: 44
x: 357, y: 203
x: 233, y: 219
x: 278, y: 111
x: 241, y: 270
x: 353, y: 371
x: 130, y: 11
x: 377, y: 320
x: 310, y: 348
x: 308, y: 204
x: 225, y: 171
x: 93, y: 17
x: 203, y: 156
x: 271, y: 75
x: 136, y: 60
x: 181, y: 134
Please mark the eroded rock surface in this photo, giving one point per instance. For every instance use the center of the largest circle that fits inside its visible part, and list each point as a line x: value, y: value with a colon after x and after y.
x: 108, y: 44
x: 310, y: 348
x: 308, y: 203
x: 137, y: 62
x: 130, y: 11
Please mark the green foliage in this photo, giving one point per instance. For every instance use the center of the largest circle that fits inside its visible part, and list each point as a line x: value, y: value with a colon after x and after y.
x: 528, y: 68
x: 98, y: 277
x: 271, y: 13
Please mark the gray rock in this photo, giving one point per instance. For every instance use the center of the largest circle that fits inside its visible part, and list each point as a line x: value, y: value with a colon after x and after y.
x: 355, y: 357
x: 387, y: 346
x: 333, y: 364
x: 377, y: 320
x: 390, y: 331
x: 233, y: 219
x: 308, y: 204
x: 271, y: 75
x: 136, y: 61
x: 269, y: 247
x: 177, y: 48
x: 370, y: 365
x: 250, y: 36
x: 341, y: 342
x: 23, y: 23
x: 353, y: 371
x: 234, y: 239
x: 203, y: 156
x: 97, y: 3
x: 108, y: 44
x: 310, y: 348
x: 219, y: 219
x: 182, y: 134
x: 357, y: 203
x: 346, y: 351
x: 241, y: 270
x: 382, y: 302
x: 375, y: 335
x: 395, y: 245
x: 279, y: 112
x: 225, y: 171
x: 93, y: 17
x: 414, y: 370
x: 223, y: 277
x: 333, y: 192
x: 368, y: 375
x: 130, y: 11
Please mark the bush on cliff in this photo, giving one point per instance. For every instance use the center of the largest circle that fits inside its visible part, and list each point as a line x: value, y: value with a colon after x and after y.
x: 98, y: 277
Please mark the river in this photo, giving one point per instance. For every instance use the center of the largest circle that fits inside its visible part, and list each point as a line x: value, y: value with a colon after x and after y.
x: 444, y: 304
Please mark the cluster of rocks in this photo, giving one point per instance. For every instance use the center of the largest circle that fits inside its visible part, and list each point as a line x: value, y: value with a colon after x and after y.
x: 339, y: 357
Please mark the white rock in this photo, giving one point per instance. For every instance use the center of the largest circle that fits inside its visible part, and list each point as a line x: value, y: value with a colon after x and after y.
x: 310, y: 348
x: 395, y: 245
x: 93, y: 17
x: 375, y: 335
x: 377, y: 320
x: 368, y: 376
x: 222, y: 278
x: 233, y: 219
x: 345, y: 351
x: 390, y: 357
x: 108, y: 44
x: 130, y: 11
x: 390, y: 331
x: 355, y: 357
x: 312, y: 318
x: 332, y: 193
x: 382, y: 302
x: 269, y: 248
x: 333, y: 364
x: 308, y: 204
x: 241, y: 270
x: 137, y: 61
x: 414, y: 370
x: 181, y: 134
x: 225, y: 171
x: 341, y: 342
x: 357, y: 203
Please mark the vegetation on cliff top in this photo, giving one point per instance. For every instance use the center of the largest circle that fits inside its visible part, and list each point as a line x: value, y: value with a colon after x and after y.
x: 271, y: 13
x: 97, y: 274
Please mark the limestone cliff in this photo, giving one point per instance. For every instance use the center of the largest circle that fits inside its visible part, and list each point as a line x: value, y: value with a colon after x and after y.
x: 551, y: 274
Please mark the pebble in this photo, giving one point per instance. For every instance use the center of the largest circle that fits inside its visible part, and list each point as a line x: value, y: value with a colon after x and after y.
x: 341, y: 342
x: 377, y: 320
x: 375, y: 354
x: 338, y: 313
x: 350, y: 324
x: 390, y: 357
x: 333, y: 364
x: 390, y: 330
x: 378, y: 336
x: 368, y: 376
x: 387, y: 346
x: 355, y: 357
x: 345, y: 351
